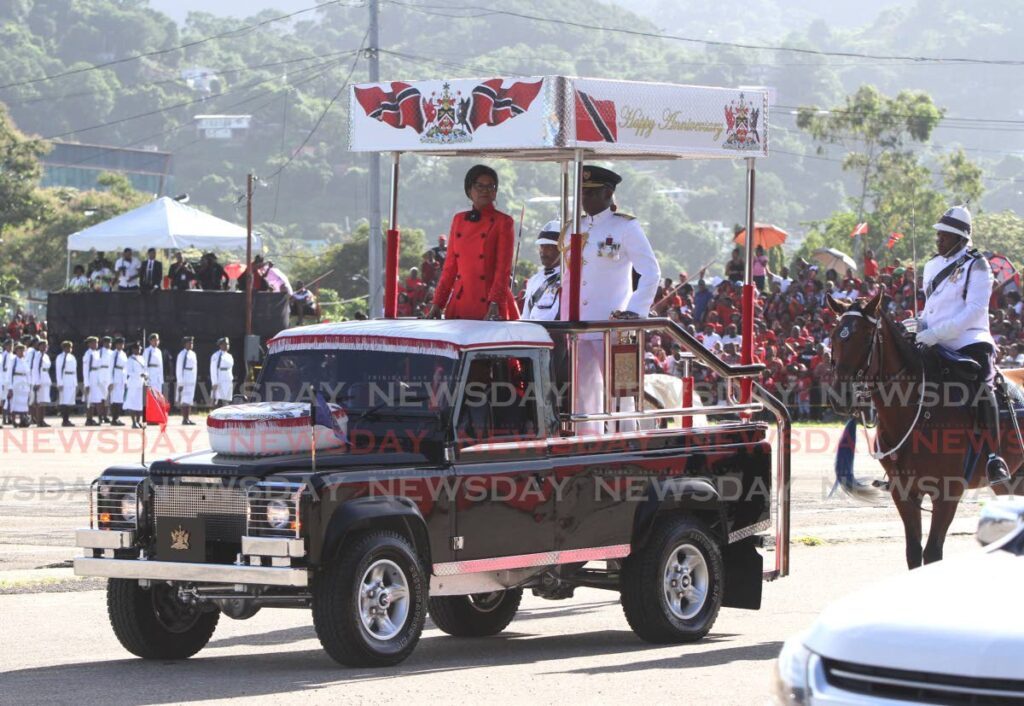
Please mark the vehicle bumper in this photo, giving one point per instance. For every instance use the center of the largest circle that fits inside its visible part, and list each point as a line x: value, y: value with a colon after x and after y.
x: 193, y: 573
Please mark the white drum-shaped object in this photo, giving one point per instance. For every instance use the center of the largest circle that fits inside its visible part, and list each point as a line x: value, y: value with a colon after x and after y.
x: 272, y: 429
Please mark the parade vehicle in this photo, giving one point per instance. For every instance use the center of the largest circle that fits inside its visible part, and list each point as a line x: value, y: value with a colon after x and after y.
x: 391, y: 467
x: 897, y: 642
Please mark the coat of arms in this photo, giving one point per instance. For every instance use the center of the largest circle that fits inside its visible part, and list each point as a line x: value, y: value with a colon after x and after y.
x: 179, y: 539
x: 741, y: 132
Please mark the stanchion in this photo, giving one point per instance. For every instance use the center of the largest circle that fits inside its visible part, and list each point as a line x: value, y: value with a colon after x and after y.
x: 391, y: 275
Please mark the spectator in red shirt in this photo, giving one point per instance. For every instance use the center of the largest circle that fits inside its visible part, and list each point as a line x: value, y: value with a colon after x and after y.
x: 870, y: 263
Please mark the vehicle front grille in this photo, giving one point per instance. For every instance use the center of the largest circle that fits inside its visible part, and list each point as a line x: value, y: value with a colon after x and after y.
x: 922, y: 687
x: 222, y: 509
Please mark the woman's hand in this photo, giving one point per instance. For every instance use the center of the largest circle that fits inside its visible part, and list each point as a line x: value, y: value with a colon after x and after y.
x: 435, y: 312
x: 492, y: 312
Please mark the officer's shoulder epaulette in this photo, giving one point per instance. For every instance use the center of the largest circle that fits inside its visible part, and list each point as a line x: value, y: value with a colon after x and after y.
x: 627, y: 216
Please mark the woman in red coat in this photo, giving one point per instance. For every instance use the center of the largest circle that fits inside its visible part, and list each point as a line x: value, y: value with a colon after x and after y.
x: 476, y: 280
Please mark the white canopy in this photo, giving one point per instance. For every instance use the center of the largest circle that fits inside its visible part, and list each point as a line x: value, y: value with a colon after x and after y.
x: 163, y: 224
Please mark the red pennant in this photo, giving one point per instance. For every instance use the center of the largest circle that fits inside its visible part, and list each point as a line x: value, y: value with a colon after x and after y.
x: 157, y: 408
x: 595, y: 120
x: 893, y: 239
x: 861, y: 229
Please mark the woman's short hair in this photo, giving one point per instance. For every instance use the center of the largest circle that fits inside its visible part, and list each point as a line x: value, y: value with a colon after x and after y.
x: 477, y: 171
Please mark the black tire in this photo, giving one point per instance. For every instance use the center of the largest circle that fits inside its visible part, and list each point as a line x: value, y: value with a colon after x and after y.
x: 645, y: 583
x: 479, y: 615
x: 153, y: 624
x: 339, y: 600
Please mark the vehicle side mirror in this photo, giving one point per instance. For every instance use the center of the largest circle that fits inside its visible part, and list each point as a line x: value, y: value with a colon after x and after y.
x: 999, y: 518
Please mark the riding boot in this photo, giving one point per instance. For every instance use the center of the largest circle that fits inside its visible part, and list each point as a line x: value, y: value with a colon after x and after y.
x: 995, y: 467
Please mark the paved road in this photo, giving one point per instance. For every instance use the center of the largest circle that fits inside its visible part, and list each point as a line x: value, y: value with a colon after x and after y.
x: 56, y: 646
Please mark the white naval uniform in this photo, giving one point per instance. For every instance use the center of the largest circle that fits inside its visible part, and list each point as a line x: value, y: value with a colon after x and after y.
x: 615, y: 246
x: 543, y: 292
x: 106, y: 371
x: 957, y: 321
x: 21, y: 385
x: 92, y: 376
x: 154, y: 358
x: 135, y: 383
x: 41, y: 378
x: 185, y: 374
x: 222, y: 366
x: 118, y: 361
x: 67, y: 378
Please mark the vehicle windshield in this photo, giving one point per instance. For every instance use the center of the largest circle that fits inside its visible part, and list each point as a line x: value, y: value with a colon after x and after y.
x: 382, y: 392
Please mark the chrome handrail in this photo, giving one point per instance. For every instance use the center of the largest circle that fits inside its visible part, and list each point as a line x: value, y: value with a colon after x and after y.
x: 783, y: 473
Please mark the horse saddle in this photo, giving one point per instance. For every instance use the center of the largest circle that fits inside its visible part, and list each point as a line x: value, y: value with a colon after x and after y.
x: 941, y: 363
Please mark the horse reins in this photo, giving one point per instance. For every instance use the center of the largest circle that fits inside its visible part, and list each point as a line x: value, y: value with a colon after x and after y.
x: 863, y: 375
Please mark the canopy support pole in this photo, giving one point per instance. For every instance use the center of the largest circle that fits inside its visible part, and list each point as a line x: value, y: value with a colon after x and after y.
x: 747, y: 347
x: 576, y: 240
x: 67, y: 277
x: 566, y: 198
x: 392, y: 248
x: 248, y: 254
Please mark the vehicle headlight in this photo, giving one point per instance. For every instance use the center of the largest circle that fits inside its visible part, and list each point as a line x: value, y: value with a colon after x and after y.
x: 129, y: 507
x: 279, y: 514
x: 792, y: 685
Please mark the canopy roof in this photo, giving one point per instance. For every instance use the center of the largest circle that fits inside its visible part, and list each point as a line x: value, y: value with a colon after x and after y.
x: 163, y: 224
x: 438, y: 337
x: 549, y: 117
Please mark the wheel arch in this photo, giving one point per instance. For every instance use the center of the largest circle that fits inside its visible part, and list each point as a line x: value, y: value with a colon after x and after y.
x: 696, y: 497
x: 393, y: 513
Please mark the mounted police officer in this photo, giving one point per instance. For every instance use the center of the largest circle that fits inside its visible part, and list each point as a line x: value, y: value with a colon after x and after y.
x: 544, y: 288
x: 958, y: 285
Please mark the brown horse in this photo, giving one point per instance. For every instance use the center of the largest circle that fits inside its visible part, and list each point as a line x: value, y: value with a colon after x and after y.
x: 925, y: 427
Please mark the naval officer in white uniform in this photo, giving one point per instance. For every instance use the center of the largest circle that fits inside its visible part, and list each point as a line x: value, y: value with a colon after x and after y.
x: 222, y: 366
x: 614, y: 246
x: 544, y: 288
x: 154, y: 358
x: 958, y: 286
x: 186, y: 372
x: 67, y: 381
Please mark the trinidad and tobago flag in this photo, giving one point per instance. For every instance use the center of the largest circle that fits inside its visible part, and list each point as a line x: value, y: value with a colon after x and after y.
x: 402, y: 107
x: 595, y: 120
x: 490, y: 104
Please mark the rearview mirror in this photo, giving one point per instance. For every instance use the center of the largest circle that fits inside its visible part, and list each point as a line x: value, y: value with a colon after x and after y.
x: 999, y: 518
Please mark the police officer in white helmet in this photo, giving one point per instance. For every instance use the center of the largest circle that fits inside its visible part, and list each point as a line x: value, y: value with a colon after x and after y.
x: 958, y: 286
x: 544, y: 288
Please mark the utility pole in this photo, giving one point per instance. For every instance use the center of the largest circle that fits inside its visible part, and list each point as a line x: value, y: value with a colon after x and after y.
x: 376, y: 255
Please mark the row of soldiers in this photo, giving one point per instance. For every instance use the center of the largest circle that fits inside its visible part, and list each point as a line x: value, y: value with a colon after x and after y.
x: 114, y: 378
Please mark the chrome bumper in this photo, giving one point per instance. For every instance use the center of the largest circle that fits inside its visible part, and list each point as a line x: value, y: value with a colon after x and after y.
x: 104, y: 539
x: 197, y: 573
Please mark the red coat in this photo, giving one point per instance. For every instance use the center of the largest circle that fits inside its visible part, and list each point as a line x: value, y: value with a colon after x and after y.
x: 478, y: 268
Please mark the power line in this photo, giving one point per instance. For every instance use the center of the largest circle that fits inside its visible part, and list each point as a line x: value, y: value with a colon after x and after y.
x: 323, y: 115
x: 488, y: 12
x: 186, y: 45
x: 823, y: 158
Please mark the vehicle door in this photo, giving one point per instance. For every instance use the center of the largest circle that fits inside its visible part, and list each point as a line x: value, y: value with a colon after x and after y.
x: 504, y: 499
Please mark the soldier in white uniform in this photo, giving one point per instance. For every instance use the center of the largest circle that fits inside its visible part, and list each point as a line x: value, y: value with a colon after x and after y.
x: 67, y: 381
x: 117, y: 381
x: 544, y: 288
x: 92, y: 379
x: 222, y: 365
x: 186, y: 370
x: 958, y: 284
x: 20, y: 385
x: 106, y: 377
x: 614, y: 246
x: 135, y: 384
x: 6, y: 361
x: 41, y: 383
x: 154, y: 358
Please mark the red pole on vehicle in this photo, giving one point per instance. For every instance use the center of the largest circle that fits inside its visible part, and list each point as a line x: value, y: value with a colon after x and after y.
x: 747, y: 347
x: 248, y: 255
x: 576, y: 241
x: 392, y: 247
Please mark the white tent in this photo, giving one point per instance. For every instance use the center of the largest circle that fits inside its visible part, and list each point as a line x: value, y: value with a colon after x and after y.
x: 163, y: 224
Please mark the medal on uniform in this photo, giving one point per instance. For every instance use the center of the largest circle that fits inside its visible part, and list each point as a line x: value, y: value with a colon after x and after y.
x: 609, y: 248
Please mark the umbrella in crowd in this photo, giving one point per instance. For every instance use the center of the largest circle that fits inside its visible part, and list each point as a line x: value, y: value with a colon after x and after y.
x: 765, y: 235
x: 832, y: 259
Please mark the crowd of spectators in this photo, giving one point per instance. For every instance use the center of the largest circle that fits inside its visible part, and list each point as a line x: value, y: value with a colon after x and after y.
x: 416, y: 290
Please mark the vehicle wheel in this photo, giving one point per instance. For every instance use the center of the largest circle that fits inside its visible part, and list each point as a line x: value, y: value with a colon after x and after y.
x: 153, y: 623
x: 478, y: 615
x: 672, y: 588
x: 370, y: 603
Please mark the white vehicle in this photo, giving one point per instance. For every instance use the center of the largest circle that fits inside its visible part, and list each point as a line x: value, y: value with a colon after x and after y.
x: 948, y: 633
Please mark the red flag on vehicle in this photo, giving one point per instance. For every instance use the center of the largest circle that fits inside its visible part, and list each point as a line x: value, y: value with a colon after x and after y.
x: 157, y: 408
x: 861, y: 229
x: 401, y: 107
x: 595, y: 120
x: 893, y: 239
x: 493, y: 105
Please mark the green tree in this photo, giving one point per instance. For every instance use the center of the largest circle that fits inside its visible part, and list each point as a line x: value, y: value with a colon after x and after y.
x: 19, y: 174
x: 1001, y: 232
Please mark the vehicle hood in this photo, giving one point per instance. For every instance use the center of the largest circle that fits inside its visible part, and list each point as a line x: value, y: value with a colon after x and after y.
x: 959, y: 617
x: 210, y: 463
